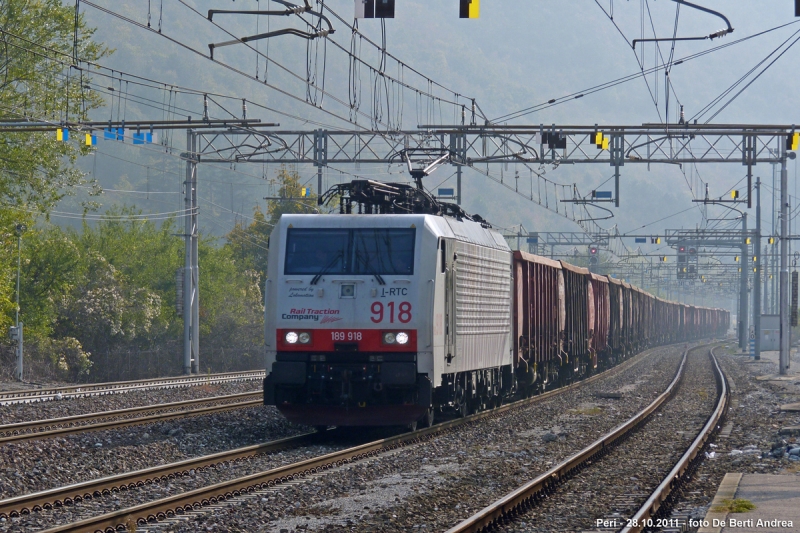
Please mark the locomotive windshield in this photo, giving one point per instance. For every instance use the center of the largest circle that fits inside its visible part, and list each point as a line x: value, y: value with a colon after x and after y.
x: 370, y: 251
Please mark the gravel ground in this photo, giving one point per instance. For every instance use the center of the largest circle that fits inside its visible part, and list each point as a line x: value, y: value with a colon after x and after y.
x: 614, y: 487
x: 25, y: 412
x: 755, y: 445
x: 423, y: 487
x: 42, y: 464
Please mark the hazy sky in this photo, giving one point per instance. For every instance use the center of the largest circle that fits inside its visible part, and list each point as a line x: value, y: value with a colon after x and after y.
x: 520, y: 53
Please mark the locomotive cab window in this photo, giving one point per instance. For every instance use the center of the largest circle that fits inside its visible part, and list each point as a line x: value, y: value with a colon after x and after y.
x: 368, y: 251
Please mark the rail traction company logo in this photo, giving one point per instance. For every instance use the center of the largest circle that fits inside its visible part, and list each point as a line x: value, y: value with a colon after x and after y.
x: 323, y: 316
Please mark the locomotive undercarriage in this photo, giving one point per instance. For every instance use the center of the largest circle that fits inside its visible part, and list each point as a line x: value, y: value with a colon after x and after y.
x: 339, y: 388
x: 464, y: 393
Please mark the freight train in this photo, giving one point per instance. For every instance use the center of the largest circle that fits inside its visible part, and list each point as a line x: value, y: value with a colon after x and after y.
x: 410, y: 306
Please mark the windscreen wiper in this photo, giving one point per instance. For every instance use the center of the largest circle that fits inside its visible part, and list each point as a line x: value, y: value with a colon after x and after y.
x: 325, y: 270
x: 370, y: 270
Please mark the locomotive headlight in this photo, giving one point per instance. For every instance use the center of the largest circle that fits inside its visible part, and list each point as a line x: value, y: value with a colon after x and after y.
x: 304, y: 337
x: 388, y: 337
x: 401, y: 337
x: 291, y: 337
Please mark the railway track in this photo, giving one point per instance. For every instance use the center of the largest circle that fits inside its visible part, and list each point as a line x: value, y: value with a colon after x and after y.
x: 118, y: 387
x: 56, y: 427
x: 604, y: 479
x: 208, y: 495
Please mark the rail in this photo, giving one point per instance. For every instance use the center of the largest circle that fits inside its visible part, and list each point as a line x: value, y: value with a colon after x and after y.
x: 524, y: 497
x: 67, y: 495
x: 115, y: 387
x: 54, y: 427
x: 182, y: 503
x: 643, y: 519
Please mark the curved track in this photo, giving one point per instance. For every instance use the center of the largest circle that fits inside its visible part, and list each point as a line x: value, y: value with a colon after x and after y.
x: 194, y: 499
x: 513, y: 506
x: 117, y: 387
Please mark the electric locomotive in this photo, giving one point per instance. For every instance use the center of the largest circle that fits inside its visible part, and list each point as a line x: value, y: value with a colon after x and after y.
x: 402, y: 305
x: 375, y: 318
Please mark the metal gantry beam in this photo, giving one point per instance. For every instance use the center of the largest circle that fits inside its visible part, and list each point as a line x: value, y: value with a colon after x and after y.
x: 471, y: 145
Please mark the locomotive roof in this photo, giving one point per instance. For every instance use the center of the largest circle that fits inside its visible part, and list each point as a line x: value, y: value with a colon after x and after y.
x: 443, y: 226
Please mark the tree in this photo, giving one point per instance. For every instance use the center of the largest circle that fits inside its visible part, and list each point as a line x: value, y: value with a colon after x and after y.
x: 249, y: 243
x: 38, y: 82
x: 292, y: 201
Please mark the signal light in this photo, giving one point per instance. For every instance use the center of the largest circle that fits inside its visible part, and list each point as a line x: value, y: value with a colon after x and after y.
x: 600, y: 140
x: 793, y: 141
x: 681, y: 249
x: 593, y: 250
x: 469, y: 9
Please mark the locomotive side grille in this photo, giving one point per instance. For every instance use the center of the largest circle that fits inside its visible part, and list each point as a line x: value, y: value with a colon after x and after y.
x: 483, y: 291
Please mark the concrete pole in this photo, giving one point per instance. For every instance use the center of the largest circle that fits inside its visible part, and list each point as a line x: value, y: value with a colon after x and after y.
x: 766, y: 266
x: 189, y: 199
x: 743, y: 307
x: 759, y: 265
x: 784, y: 280
x: 195, y: 266
x: 19, y: 325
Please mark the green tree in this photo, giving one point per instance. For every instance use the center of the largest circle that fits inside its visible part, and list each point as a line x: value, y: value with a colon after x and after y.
x: 249, y: 243
x: 38, y: 82
x: 292, y: 201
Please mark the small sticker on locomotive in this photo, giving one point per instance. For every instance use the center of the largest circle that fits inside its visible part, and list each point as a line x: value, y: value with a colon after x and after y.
x: 312, y: 314
x: 394, y: 291
x: 301, y: 292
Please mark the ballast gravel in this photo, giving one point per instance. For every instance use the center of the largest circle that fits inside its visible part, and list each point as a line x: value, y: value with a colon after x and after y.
x: 36, y: 465
x: 71, y: 406
x: 757, y: 442
x: 433, y: 485
x: 615, y: 486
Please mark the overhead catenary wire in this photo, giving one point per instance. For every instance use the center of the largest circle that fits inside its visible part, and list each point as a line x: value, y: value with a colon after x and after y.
x: 630, y: 77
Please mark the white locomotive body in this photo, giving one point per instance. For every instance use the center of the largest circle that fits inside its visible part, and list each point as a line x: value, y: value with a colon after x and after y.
x: 378, y: 319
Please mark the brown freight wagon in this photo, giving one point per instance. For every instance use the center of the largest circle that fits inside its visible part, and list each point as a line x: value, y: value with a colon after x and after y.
x: 579, y: 303
x: 629, y: 318
x: 616, y: 330
x: 602, y: 319
x: 539, y: 317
